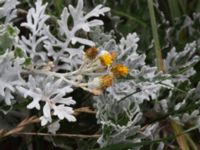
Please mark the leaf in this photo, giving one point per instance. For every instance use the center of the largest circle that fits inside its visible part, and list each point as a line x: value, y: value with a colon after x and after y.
x: 180, y: 139
x: 18, y: 52
x: 125, y: 146
x: 8, y: 36
x: 120, y: 146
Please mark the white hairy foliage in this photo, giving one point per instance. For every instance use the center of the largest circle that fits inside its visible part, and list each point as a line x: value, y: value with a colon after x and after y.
x: 42, y: 89
x: 123, y: 98
x: 68, y: 31
x: 10, y: 69
x: 181, y: 63
x: 36, y: 18
x: 118, y: 109
x: 142, y: 81
x: 8, y: 9
x: 51, y: 92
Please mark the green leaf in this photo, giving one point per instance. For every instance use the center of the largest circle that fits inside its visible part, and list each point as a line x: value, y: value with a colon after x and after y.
x: 18, y: 52
x: 129, y: 16
x: 58, y: 5
x: 27, y: 62
x: 12, y: 31
x: 174, y: 9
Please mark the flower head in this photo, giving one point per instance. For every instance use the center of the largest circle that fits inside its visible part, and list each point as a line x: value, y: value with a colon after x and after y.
x: 102, y: 82
x: 106, y: 81
x: 91, y: 52
x: 105, y: 58
x: 119, y: 70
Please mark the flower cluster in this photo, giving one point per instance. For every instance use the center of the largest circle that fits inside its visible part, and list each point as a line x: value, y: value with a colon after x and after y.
x: 102, y: 62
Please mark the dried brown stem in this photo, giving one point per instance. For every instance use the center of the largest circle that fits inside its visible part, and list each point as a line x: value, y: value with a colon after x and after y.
x: 27, y: 121
x: 60, y: 135
x: 21, y: 126
x: 84, y: 110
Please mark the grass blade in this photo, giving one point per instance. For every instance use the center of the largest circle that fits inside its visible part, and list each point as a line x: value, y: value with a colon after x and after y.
x: 159, y: 59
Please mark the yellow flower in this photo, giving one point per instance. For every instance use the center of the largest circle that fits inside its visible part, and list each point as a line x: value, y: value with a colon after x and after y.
x: 106, y: 58
x: 91, y: 52
x: 119, y: 70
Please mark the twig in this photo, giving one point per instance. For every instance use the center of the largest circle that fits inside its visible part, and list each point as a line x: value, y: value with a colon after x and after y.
x: 60, y: 135
x: 21, y: 12
x: 125, y: 97
x: 27, y: 121
x: 181, y: 140
x: 84, y: 110
x: 21, y: 126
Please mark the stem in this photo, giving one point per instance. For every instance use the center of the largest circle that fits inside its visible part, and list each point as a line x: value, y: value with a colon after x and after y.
x: 174, y: 88
x: 181, y: 139
x: 61, y: 76
x: 85, y: 68
x: 159, y: 59
x: 191, y: 142
x: 60, y: 135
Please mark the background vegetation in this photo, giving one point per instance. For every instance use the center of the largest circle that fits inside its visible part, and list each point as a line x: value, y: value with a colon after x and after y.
x: 170, y: 23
